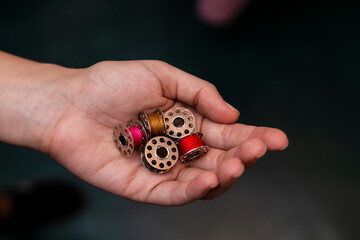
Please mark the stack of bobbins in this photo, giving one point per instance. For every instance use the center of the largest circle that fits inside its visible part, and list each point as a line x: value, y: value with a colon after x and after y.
x: 180, y: 125
x: 159, y: 152
x: 129, y: 136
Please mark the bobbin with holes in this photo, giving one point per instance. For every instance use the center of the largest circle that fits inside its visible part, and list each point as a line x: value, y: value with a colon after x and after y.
x: 179, y: 121
x: 151, y: 126
x: 160, y: 154
x: 124, y: 140
x: 194, y: 151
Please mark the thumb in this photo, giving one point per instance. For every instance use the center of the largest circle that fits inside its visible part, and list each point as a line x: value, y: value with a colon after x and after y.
x: 202, y: 95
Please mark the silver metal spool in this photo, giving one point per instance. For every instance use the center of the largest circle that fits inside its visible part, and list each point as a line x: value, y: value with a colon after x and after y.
x: 123, y: 139
x: 179, y: 122
x: 160, y: 155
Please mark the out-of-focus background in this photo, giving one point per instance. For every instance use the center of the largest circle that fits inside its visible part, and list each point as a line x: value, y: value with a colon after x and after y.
x: 293, y: 65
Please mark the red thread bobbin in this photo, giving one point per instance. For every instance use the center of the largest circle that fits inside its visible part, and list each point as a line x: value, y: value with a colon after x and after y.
x: 191, y: 147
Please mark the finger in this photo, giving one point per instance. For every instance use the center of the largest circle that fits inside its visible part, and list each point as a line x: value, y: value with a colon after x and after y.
x: 182, y: 192
x: 228, y: 173
x: 224, y: 136
x: 233, y: 163
x: 194, y: 91
x: 248, y: 153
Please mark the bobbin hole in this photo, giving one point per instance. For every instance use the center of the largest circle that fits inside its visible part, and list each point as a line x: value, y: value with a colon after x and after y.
x: 162, y: 152
x: 123, y: 140
x: 178, y: 122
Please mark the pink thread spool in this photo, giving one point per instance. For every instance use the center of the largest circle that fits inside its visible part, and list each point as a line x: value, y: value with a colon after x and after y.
x: 128, y: 137
x: 137, y: 135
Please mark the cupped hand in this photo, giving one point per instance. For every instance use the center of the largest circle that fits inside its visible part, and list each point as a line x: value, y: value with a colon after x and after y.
x: 97, y: 98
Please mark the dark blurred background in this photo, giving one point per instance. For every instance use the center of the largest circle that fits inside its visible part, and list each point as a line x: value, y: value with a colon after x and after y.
x: 293, y: 65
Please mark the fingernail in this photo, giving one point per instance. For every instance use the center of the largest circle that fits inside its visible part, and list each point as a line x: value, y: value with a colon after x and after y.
x: 231, y: 107
x: 215, y: 185
x: 263, y: 153
x: 237, y: 175
x: 285, y: 147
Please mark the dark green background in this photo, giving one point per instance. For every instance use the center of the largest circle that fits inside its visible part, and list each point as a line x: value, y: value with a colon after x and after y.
x: 294, y: 66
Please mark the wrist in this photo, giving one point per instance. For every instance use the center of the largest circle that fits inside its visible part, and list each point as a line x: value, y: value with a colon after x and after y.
x: 33, y: 97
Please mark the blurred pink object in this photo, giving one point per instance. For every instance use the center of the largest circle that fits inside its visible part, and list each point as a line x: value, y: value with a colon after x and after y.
x: 219, y: 12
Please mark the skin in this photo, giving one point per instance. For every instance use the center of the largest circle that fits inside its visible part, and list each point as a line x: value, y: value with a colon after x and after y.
x: 69, y: 114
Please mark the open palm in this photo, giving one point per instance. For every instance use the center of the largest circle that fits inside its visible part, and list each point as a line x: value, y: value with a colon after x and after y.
x: 102, y: 95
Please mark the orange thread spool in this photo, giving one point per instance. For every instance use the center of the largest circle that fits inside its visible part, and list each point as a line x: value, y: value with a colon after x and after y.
x: 156, y: 123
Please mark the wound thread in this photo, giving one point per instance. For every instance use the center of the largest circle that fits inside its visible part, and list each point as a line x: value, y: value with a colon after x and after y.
x: 137, y: 135
x: 156, y: 123
x: 189, y: 143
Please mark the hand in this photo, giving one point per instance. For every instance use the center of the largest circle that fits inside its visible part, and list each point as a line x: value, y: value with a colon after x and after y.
x: 102, y: 95
x: 70, y: 114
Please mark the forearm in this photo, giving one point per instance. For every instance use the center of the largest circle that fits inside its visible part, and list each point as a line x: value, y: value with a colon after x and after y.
x: 30, y: 102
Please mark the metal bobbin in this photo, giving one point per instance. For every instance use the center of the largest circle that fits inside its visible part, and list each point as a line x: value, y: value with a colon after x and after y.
x: 144, y: 119
x: 195, y: 153
x: 179, y: 121
x: 123, y: 139
x: 160, y: 155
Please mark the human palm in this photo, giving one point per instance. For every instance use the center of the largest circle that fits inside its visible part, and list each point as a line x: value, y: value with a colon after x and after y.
x: 102, y: 95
